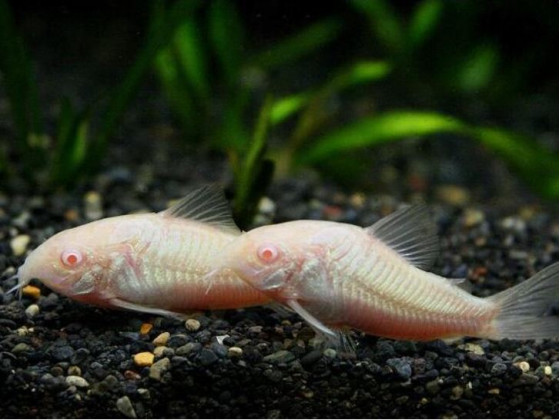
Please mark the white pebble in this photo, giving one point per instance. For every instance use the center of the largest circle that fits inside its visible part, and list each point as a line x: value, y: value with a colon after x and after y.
x: 192, y: 324
x: 19, y: 244
x: 32, y: 310
x: 77, y: 381
x: 235, y: 352
x: 124, y: 405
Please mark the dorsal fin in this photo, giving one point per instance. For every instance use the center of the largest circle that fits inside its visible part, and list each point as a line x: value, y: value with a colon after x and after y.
x: 412, y: 233
x: 206, y: 204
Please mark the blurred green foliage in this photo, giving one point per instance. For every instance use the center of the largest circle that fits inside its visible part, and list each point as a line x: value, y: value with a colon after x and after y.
x: 216, y: 82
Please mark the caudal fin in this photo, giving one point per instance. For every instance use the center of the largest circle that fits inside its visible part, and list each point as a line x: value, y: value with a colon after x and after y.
x: 523, y: 308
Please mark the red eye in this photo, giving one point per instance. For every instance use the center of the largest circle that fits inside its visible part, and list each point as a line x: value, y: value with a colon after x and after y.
x: 71, y: 258
x: 268, y: 253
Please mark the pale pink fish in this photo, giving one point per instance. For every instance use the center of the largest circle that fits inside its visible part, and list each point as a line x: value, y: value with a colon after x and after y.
x: 337, y: 275
x: 152, y: 263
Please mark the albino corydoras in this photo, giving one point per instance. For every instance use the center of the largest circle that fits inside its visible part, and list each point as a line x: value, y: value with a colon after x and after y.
x: 153, y: 262
x: 337, y: 275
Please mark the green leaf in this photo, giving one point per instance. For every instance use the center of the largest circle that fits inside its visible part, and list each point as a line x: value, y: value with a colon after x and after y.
x: 298, y: 45
x: 174, y: 86
x: 478, y: 69
x: 71, y: 147
x: 384, y: 23
x: 286, y: 107
x: 21, y: 90
x: 424, y: 20
x: 253, y: 175
x: 537, y: 165
x: 358, y: 73
x: 162, y: 27
x: 380, y: 129
x: 191, y: 56
x: 227, y: 36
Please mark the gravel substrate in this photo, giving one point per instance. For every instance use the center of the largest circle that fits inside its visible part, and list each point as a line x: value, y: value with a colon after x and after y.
x: 60, y: 359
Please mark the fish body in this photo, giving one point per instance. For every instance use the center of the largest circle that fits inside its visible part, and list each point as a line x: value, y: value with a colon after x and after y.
x: 373, y: 279
x: 153, y: 263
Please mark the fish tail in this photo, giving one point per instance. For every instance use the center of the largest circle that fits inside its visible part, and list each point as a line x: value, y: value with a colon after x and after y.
x: 525, y: 309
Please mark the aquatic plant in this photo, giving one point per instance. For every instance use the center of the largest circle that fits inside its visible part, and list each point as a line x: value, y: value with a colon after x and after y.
x: 215, y: 80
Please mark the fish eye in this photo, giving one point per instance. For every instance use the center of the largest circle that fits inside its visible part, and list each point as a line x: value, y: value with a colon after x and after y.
x: 71, y: 258
x: 268, y: 253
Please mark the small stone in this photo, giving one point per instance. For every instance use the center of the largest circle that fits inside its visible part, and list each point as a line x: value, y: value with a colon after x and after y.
x: 238, y: 352
x: 267, y: 206
x: 124, y: 405
x: 453, y: 194
x: 74, y: 371
x: 31, y: 291
x: 498, y: 369
x: 474, y: 348
x: 62, y: 353
x: 21, y: 348
x: 158, y: 351
x: 401, y: 367
x: 524, y: 366
x: 457, y: 392
x: 161, y: 340
x: 188, y: 348
x: 131, y: 375
x: 22, y: 331
x: 32, y: 310
x: 77, y: 381
x: 144, y: 359
x: 19, y: 244
x: 192, y: 325
x: 207, y: 357
x: 93, y: 206
x: 146, y: 328
x: 329, y: 353
x: 282, y: 356
x: 433, y: 387
x: 159, y: 368
x: 472, y: 217
x: 144, y: 393
x: 494, y: 391
x: 547, y: 370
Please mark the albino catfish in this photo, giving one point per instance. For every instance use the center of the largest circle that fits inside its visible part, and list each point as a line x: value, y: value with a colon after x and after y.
x: 153, y: 263
x: 337, y: 275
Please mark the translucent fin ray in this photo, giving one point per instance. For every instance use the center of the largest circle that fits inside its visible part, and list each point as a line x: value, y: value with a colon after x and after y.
x: 523, y: 308
x: 207, y: 205
x: 410, y: 232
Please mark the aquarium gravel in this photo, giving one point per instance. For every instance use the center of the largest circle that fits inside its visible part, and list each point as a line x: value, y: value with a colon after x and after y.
x: 59, y: 358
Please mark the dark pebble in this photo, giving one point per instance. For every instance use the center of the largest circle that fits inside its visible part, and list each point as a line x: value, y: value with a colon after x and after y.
x: 311, y: 357
x: 401, y: 367
x: 219, y: 349
x: 207, y: 357
x: 498, y: 369
x: 60, y: 353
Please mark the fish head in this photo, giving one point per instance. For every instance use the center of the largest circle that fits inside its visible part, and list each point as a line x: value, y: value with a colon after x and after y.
x: 72, y: 262
x: 267, y: 259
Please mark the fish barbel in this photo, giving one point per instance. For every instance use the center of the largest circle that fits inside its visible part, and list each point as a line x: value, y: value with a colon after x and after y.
x: 153, y: 263
x: 373, y: 279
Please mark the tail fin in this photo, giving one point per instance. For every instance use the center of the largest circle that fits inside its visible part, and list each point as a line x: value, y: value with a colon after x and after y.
x: 523, y: 308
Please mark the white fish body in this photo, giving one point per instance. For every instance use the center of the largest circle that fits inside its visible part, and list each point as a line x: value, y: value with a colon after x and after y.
x: 338, y: 275
x: 146, y: 262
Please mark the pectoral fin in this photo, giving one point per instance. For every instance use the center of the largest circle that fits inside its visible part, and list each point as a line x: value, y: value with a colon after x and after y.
x: 123, y: 304
x: 317, y: 325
